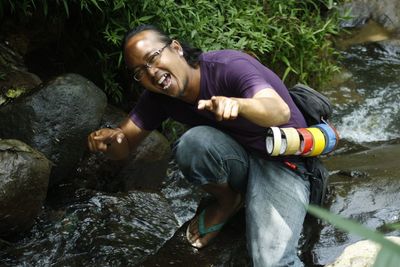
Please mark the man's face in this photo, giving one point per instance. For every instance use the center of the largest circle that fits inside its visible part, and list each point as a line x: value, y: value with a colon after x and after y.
x: 160, y: 67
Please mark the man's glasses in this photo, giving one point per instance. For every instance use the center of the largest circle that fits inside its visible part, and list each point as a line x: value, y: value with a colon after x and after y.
x: 152, y: 60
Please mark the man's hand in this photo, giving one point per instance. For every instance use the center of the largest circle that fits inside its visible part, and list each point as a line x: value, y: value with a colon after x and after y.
x: 224, y: 108
x: 101, y: 140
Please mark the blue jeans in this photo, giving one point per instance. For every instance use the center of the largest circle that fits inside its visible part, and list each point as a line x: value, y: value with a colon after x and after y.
x: 275, y: 195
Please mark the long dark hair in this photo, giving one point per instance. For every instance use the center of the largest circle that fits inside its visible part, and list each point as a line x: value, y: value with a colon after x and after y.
x: 190, y: 53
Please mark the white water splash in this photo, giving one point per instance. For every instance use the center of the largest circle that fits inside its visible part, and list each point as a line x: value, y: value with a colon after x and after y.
x: 373, y: 120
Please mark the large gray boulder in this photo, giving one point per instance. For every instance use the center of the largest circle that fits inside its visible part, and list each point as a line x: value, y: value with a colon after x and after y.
x: 383, y: 15
x: 24, y: 178
x: 385, y: 12
x: 56, y: 119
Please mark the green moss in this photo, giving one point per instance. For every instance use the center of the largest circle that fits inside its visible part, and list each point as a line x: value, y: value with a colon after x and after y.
x: 15, y: 92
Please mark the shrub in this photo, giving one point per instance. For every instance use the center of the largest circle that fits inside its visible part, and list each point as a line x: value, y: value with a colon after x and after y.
x: 291, y: 37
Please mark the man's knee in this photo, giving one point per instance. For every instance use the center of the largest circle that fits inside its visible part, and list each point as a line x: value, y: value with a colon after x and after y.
x: 207, y: 155
x: 193, y: 143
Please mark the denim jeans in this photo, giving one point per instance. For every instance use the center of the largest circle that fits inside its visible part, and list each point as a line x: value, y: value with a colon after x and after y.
x: 275, y: 195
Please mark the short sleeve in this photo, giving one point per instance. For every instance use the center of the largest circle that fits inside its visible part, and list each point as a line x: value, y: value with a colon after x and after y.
x: 148, y: 113
x: 243, y: 75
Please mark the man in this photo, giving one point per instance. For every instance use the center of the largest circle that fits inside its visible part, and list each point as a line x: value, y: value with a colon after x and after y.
x: 229, y: 99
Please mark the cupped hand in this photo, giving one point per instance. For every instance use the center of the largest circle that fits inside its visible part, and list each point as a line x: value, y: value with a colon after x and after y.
x: 101, y: 139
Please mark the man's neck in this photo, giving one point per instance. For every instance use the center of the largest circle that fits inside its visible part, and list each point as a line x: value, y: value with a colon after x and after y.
x: 193, y: 88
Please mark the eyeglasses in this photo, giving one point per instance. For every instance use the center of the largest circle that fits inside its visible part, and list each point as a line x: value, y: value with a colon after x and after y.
x: 150, y: 62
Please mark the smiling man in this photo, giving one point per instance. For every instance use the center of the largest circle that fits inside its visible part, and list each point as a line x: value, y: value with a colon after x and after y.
x: 229, y: 98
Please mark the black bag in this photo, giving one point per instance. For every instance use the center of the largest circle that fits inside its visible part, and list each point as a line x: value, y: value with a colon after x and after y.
x: 316, y: 108
x: 318, y: 176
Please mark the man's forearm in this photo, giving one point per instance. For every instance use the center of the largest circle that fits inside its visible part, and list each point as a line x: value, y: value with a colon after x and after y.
x: 264, y: 111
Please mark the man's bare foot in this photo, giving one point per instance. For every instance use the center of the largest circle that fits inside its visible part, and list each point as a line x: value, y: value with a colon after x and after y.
x: 205, y: 227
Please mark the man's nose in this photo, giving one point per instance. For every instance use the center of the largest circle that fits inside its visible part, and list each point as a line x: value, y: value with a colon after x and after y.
x: 151, y: 71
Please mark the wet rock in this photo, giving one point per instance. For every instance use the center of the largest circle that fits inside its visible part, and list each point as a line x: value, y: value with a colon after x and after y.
x: 228, y: 249
x: 145, y: 169
x: 353, y: 174
x: 98, y: 229
x: 385, y: 12
x: 373, y: 200
x: 183, y: 195
x: 373, y: 160
x: 360, y: 13
x: 24, y: 178
x: 56, y: 120
x: 10, y: 59
x: 360, y: 254
x: 378, y: 21
x: 391, y: 46
x: 15, y: 80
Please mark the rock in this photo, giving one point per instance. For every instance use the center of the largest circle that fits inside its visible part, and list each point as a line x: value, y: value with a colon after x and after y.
x: 24, y: 178
x: 360, y: 254
x: 15, y: 80
x: 383, y: 15
x: 144, y: 169
x: 10, y: 59
x: 97, y: 229
x: 359, y: 14
x: 385, y: 12
x: 147, y: 167
x: 227, y: 249
x: 365, y: 187
x: 56, y: 120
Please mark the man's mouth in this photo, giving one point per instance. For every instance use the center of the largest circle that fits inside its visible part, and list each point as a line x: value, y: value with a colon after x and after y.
x: 165, y: 81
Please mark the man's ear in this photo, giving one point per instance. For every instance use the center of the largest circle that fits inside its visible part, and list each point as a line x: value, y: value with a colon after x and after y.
x: 177, y: 47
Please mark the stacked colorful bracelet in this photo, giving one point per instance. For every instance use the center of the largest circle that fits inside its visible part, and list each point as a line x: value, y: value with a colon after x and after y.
x: 312, y: 141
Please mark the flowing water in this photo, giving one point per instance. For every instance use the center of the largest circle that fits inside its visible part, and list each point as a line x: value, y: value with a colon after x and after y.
x: 368, y: 103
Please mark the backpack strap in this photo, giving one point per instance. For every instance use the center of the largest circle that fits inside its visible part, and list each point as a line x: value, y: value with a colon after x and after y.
x: 295, y: 168
x: 317, y: 175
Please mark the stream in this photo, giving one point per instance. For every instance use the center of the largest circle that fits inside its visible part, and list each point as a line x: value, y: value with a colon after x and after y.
x: 368, y: 103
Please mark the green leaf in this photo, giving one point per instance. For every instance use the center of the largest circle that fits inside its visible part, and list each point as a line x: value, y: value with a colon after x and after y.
x: 394, y: 226
x: 286, y: 73
x: 96, y: 4
x: 193, y: 33
x: 386, y: 258
x: 66, y: 8
x: 355, y: 228
x: 146, y: 18
x: 45, y: 8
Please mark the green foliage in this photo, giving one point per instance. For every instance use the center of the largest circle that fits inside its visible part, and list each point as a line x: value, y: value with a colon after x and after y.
x: 302, y: 36
x: 291, y: 37
x: 3, y: 76
x: 388, y: 256
x: 173, y: 130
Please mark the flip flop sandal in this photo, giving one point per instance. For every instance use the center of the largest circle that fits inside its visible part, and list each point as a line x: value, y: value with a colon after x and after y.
x: 214, y: 228
x: 202, y: 229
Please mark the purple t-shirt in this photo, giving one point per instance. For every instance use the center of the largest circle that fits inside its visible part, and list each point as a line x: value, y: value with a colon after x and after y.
x: 223, y: 73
